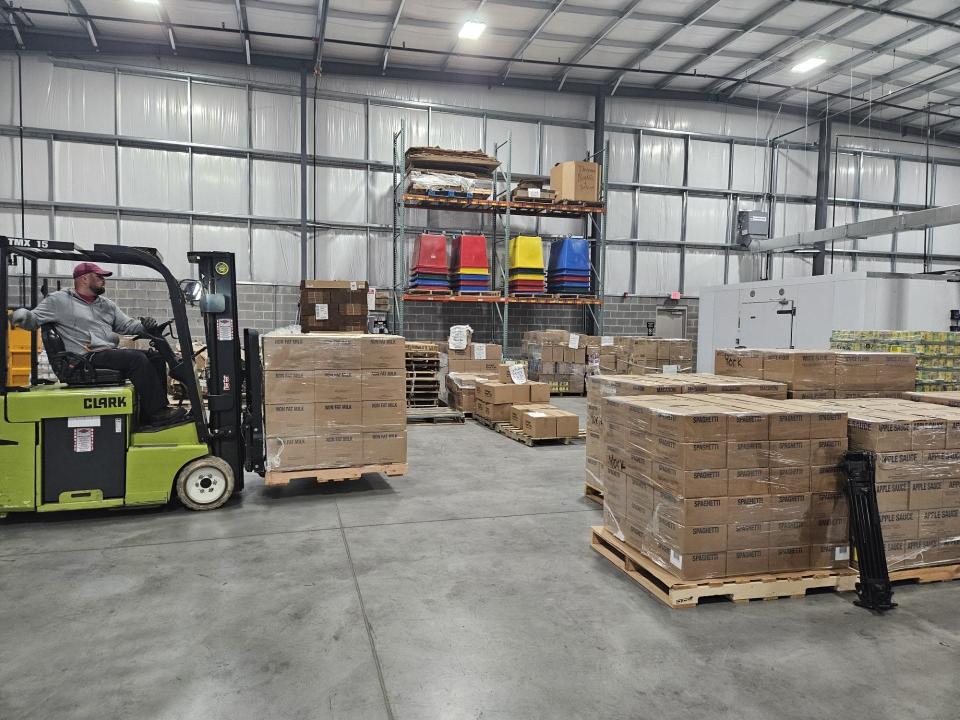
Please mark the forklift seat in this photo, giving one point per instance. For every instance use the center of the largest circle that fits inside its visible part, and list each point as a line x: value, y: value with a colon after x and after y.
x: 73, y: 369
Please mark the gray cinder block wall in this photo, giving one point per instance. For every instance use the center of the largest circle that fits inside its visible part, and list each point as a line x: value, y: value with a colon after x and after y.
x: 265, y: 307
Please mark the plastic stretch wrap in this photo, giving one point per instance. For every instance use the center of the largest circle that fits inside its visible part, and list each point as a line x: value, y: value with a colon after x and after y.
x: 220, y: 184
x: 36, y: 177
x: 619, y: 215
x: 341, y: 194
x: 275, y: 121
x: 65, y: 98
x: 154, y: 108
x: 219, y: 114
x: 340, y: 254
x: 659, y: 217
x: 661, y: 160
x: 658, y: 271
x: 709, y: 163
x: 619, y: 263
x: 276, y: 189
x: 276, y: 255
x: 154, y: 179
x: 421, y: 181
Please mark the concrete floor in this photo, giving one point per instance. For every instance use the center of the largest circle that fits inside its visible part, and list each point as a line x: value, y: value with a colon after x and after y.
x: 464, y: 590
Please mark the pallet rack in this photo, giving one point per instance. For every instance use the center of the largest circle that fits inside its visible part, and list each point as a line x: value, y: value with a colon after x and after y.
x: 500, y: 208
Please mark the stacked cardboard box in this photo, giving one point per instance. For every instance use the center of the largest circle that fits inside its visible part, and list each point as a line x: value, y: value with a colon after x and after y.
x: 460, y: 390
x: 602, y: 386
x: 333, y: 400
x: 950, y: 398
x: 711, y: 486
x: 822, y: 374
x: 476, y: 358
x: 558, y: 358
x: 917, y: 448
x: 333, y: 305
x: 543, y: 420
x: 938, y: 353
x: 494, y: 399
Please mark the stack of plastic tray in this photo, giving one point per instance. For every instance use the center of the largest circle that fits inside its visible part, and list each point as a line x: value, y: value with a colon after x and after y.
x: 526, y: 265
x: 469, y: 269
x: 569, y: 270
x: 428, y: 271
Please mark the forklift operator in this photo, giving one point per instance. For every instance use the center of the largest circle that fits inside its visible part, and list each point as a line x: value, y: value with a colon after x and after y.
x: 89, y: 325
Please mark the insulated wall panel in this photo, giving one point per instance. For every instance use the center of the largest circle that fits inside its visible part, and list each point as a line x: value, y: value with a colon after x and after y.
x: 661, y: 160
x: 623, y: 152
x: 84, y: 173
x: 68, y: 99
x: 878, y: 180
x: 751, y: 166
x: 880, y: 243
x: 564, y: 143
x: 226, y: 237
x: 341, y: 195
x: 659, y: 217
x: 702, y: 268
x: 154, y: 179
x: 276, y: 255
x: 35, y: 172
x: 457, y: 132
x: 220, y: 185
x: 275, y: 118
x: 276, y: 189
x: 340, y: 128
x: 709, y: 164
x: 340, y: 255
x: 619, y: 265
x: 171, y: 238
x: 385, y: 123
x: 524, y: 144
x: 619, y: 215
x: 658, y: 271
x: 914, y: 182
x: 219, y: 115
x: 85, y: 230
x: 796, y: 172
x: 707, y: 220
x: 154, y: 108
x: 948, y: 185
x: 843, y: 175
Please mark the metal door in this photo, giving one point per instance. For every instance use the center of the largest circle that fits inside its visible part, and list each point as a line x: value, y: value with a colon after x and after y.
x: 766, y: 324
x: 671, y: 322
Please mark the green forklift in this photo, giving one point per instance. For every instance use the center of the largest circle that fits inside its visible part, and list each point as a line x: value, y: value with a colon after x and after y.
x: 76, y: 444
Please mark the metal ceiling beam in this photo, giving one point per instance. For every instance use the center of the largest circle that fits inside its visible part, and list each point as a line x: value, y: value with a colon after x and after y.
x: 811, y: 32
x: 731, y: 38
x: 323, y: 11
x: 171, y: 37
x: 662, y: 41
x: 393, y: 31
x: 531, y: 37
x: 78, y: 9
x: 453, y: 27
x: 11, y: 18
x: 861, y: 58
x: 244, y: 27
x: 908, y: 94
x: 891, y: 12
x: 583, y: 52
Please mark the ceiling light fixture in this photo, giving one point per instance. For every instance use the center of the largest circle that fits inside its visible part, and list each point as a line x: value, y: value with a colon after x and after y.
x: 807, y: 65
x: 147, y: 2
x: 472, y: 29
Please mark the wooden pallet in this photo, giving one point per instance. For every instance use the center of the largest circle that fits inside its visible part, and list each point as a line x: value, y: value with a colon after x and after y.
x: 283, y: 477
x: 677, y: 593
x: 924, y: 575
x: 593, y: 493
x: 563, y: 393
x: 428, y: 292
x: 434, y: 414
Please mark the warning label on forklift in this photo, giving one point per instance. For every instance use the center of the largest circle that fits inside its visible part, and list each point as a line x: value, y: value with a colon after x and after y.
x: 225, y: 329
x: 82, y: 440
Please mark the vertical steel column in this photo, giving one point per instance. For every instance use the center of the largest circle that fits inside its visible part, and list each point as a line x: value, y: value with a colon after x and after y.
x: 684, y: 199
x: 303, y: 174
x: 731, y: 216
x: 823, y: 192
x: 595, y: 226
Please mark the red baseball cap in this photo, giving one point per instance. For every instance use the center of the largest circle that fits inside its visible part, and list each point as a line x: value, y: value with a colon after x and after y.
x: 87, y: 267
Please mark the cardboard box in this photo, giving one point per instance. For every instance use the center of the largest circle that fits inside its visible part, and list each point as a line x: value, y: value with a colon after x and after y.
x: 748, y: 454
x: 789, y: 506
x: 287, y: 352
x: 941, y: 464
x: 748, y: 481
x: 690, y: 483
x: 289, y: 419
x: 568, y: 424
x: 634, y: 532
x: 900, y: 525
x: 893, y: 496
x: 790, y: 425
x: 951, y: 493
x: 382, y: 351
x: 333, y: 305
x: 748, y: 509
x: 345, y: 416
x: 829, y: 503
x: 826, y: 478
x: 830, y: 556
x: 491, y: 412
x: 383, y: 384
x: 925, y: 494
x: 690, y: 511
x: 613, y: 520
x: 615, y: 490
x: 746, y: 535
x: 828, y: 424
x: 288, y: 386
x: 789, y: 453
x: 828, y: 451
x: 334, y: 352
x: 790, y: 480
x: 338, y: 385
x: 497, y: 393
x: 291, y: 453
x: 691, y: 456
x: 384, y: 447
x: 539, y: 392
x: 685, y: 539
x: 827, y: 530
x: 942, y: 522
x: 877, y: 433
x: 339, y: 449
x: 748, y: 562
x: 893, y: 466
x: 383, y: 415
x: 539, y: 424
x: 740, y: 363
x: 691, y: 566
x: 787, y: 559
x: 689, y: 424
x: 575, y: 180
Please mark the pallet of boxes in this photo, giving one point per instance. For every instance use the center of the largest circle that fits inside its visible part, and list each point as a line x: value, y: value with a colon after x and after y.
x: 519, y: 408
x: 557, y: 358
x: 916, y: 446
x: 462, y: 363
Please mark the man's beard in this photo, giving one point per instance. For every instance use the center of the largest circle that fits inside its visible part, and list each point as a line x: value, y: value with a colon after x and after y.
x: 98, y: 290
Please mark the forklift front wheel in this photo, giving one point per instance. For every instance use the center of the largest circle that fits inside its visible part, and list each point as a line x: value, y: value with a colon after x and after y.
x: 205, y: 483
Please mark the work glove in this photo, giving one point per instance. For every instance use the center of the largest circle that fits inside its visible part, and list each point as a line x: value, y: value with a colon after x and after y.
x: 149, y: 324
x: 22, y: 318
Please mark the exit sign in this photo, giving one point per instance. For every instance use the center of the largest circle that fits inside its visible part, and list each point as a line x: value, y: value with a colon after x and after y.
x: 675, y: 295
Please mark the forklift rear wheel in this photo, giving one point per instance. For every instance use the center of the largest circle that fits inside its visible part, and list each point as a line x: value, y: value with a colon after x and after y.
x: 205, y: 484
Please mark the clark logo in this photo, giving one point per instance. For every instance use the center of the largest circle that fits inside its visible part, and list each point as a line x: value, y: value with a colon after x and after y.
x: 104, y: 402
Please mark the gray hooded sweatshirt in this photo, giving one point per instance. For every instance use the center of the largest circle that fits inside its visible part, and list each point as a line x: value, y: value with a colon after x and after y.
x: 85, y: 327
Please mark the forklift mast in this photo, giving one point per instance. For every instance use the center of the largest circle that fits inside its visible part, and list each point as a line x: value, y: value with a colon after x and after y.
x: 235, y: 429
